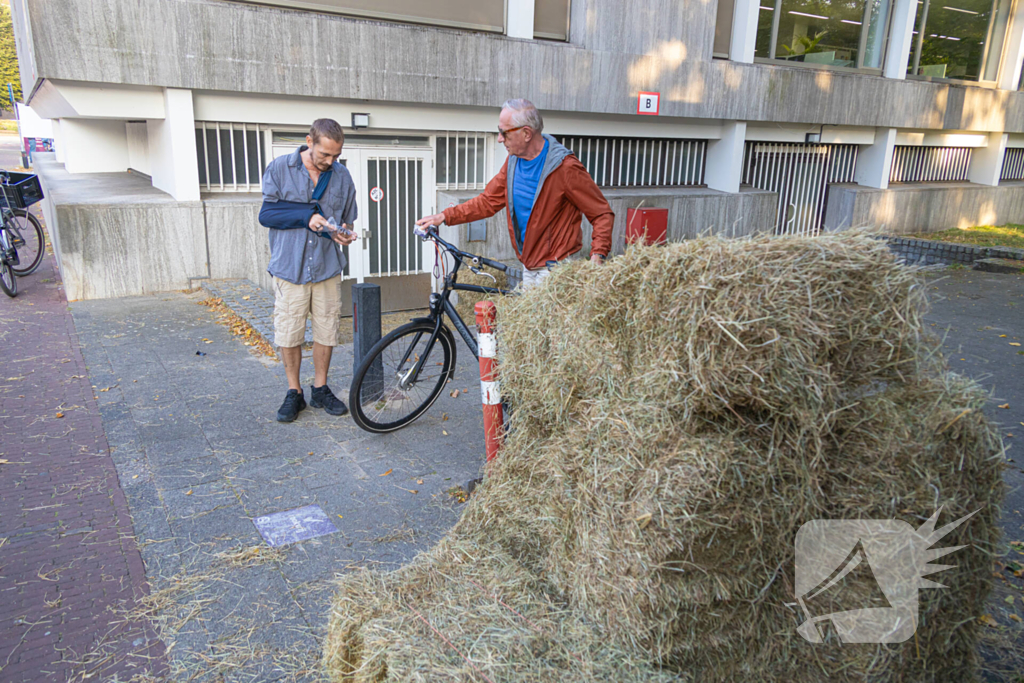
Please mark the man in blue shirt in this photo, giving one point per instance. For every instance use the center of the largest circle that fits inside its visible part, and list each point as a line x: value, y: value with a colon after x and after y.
x: 301, y: 191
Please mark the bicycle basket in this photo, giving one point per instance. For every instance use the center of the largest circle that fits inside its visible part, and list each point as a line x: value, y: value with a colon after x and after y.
x: 22, y: 191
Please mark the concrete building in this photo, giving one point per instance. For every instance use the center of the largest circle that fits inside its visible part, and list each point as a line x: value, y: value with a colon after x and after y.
x: 792, y: 116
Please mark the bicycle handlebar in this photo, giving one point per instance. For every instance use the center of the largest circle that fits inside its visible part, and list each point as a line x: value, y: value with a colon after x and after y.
x: 430, y: 232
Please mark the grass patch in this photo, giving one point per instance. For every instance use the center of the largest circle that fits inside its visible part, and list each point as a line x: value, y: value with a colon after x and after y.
x: 1009, y: 235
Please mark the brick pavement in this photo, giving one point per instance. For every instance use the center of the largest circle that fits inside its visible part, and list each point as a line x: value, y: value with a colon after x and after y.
x: 69, y: 564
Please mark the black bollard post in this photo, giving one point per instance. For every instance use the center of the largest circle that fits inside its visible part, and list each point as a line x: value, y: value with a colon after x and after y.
x: 366, y: 333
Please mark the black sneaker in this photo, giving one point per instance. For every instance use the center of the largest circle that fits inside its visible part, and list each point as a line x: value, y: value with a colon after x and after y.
x: 324, y: 398
x: 294, y: 401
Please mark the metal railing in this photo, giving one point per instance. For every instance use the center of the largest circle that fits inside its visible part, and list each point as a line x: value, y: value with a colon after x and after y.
x: 640, y: 162
x: 1013, y: 164
x: 929, y: 164
x: 464, y: 160
x: 800, y: 174
x: 232, y: 156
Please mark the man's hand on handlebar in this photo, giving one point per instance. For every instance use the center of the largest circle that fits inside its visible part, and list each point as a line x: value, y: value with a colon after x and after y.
x: 434, y: 221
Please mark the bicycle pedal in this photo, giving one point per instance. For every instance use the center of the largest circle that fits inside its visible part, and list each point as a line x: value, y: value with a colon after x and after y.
x: 12, y: 257
x: 18, y: 242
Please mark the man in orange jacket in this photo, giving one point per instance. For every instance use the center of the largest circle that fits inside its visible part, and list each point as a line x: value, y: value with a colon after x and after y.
x: 545, y: 191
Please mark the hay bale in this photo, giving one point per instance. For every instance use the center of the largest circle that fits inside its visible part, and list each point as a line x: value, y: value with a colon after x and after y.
x: 680, y: 412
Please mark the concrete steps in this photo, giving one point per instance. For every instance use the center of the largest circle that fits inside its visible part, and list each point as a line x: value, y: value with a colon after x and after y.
x: 999, y: 265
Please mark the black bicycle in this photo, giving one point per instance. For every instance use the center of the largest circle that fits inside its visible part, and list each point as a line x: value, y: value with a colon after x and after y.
x: 22, y: 240
x: 405, y: 372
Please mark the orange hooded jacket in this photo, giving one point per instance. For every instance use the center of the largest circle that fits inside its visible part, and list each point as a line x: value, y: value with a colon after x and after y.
x: 565, y: 193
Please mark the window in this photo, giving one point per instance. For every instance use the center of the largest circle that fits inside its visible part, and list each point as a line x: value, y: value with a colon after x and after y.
x: 463, y: 161
x: 930, y: 164
x: 551, y: 19
x: 849, y: 34
x: 482, y: 15
x: 232, y: 156
x: 639, y: 162
x: 1013, y: 164
x: 961, y: 39
x: 723, y: 28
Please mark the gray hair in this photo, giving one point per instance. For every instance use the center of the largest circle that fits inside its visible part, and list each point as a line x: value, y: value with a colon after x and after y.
x: 525, y: 114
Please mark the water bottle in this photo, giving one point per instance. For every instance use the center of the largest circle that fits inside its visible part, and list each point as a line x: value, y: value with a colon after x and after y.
x: 333, y: 227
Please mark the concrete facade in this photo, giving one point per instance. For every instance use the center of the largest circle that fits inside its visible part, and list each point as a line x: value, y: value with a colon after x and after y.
x: 139, y: 85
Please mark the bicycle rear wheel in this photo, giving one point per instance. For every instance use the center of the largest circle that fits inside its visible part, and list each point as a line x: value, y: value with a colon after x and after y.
x: 8, y: 282
x: 29, y: 240
x: 381, y: 398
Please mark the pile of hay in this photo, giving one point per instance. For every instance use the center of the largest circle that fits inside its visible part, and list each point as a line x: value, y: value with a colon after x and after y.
x: 680, y: 412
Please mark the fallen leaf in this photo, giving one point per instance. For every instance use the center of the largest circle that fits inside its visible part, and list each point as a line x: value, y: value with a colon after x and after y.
x: 386, y: 473
x: 1016, y: 618
x: 1008, y: 600
x: 419, y: 481
x: 414, y: 491
x: 454, y: 393
x: 1017, y: 544
x: 189, y: 492
x: 60, y: 415
x: 465, y: 390
x: 311, y: 452
x: 208, y: 341
x: 1001, y: 336
x: 444, y: 417
x: 246, y: 298
x: 444, y: 432
x: 340, y: 517
x: 135, y: 476
x: 987, y: 620
x: 1005, y: 405
x: 1014, y: 344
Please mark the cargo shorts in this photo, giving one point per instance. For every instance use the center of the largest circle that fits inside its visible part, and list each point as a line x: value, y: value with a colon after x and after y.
x: 293, y: 303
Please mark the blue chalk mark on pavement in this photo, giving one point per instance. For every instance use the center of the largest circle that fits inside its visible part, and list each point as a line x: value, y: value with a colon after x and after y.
x: 281, y: 528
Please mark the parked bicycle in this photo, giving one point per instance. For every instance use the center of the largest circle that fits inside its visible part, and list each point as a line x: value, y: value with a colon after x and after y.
x: 404, y: 373
x: 22, y: 240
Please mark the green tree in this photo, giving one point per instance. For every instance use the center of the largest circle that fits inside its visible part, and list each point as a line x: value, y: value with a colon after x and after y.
x: 8, y: 59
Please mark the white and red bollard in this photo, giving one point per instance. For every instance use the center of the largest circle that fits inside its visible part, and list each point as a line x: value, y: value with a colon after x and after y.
x: 486, y: 313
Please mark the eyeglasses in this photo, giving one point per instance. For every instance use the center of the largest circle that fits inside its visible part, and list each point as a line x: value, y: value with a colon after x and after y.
x: 504, y: 133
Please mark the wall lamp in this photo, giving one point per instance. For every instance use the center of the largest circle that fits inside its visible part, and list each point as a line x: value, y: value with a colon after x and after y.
x: 360, y: 120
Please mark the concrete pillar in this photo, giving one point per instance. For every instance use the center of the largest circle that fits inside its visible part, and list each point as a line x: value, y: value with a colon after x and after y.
x: 987, y: 162
x: 901, y: 40
x: 58, y: 142
x: 519, y: 19
x: 172, y: 147
x: 874, y: 161
x: 724, y: 165
x: 1013, y: 50
x: 744, y: 30
x: 94, y: 145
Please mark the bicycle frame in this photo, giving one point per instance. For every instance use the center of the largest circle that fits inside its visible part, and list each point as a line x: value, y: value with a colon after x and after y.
x: 440, y: 305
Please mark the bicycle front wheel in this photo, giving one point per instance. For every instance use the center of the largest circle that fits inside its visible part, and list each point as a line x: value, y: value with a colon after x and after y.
x: 384, y: 396
x: 7, y: 281
x: 29, y: 240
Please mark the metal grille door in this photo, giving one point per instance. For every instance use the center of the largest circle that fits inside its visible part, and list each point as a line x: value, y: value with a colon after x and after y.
x: 392, y: 200
x: 1013, y: 164
x: 800, y: 174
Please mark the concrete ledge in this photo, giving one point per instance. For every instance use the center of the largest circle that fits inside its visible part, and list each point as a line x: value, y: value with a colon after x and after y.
x: 926, y: 207
x: 1000, y: 265
x: 115, y: 235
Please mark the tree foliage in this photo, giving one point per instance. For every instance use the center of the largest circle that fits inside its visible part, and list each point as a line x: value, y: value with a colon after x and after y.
x: 9, y: 72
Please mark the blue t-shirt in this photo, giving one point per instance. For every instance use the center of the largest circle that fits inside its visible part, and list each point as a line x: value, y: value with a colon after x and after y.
x: 524, y: 187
